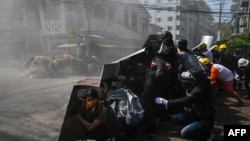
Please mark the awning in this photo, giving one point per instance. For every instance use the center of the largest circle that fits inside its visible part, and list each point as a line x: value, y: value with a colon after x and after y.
x: 69, y: 45
x: 114, y: 42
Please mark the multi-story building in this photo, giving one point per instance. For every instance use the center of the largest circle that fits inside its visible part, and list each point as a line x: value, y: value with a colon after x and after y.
x: 240, y: 24
x: 96, y: 27
x: 240, y: 19
x: 88, y: 27
x: 189, y: 19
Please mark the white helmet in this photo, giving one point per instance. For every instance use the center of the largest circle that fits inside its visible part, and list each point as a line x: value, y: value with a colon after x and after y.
x: 187, y: 75
x: 242, y: 62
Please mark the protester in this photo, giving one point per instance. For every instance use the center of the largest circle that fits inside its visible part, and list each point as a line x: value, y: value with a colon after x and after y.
x: 227, y: 59
x: 93, y: 116
x: 161, y: 80
x: 198, y: 117
x: 220, y: 76
x: 187, y: 59
x: 206, y: 52
x: 244, y: 74
x: 118, y: 97
x: 169, y: 51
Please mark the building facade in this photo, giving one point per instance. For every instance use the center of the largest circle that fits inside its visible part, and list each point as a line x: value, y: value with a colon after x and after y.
x: 189, y: 19
x: 96, y: 27
x: 240, y: 19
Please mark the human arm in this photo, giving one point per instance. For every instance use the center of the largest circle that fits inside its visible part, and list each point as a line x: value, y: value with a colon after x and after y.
x: 88, y: 125
x: 174, y: 102
x: 213, y: 73
x: 99, y: 119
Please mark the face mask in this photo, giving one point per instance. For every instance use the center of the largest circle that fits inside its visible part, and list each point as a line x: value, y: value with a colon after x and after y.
x: 186, y: 84
x: 90, y: 103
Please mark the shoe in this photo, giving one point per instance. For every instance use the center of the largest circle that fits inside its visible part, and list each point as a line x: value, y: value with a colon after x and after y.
x: 111, y: 139
x: 247, y: 97
x: 210, y: 137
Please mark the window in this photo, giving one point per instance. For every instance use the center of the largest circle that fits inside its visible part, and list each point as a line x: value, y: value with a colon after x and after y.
x: 170, y: 18
x: 158, y: 19
x: 169, y: 28
x: 170, y: 9
x: 178, y: 27
x: 158, y: 1
x: 134, y: 20
x: 126, y: 18
x: 178, y: 17
x: 177, y: 36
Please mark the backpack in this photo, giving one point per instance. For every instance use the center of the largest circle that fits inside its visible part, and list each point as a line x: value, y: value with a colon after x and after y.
x: 135, y: 111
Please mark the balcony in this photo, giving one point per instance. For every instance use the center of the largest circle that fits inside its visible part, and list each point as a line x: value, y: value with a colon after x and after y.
x: 244, y: 3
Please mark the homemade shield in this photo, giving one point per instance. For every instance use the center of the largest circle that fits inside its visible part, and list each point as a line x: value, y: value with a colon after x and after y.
x: 71, y: 129
x: 142, y: 56
x: 205, y: 39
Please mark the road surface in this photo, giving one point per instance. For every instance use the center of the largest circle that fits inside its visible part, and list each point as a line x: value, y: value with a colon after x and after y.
x: 34, y: 109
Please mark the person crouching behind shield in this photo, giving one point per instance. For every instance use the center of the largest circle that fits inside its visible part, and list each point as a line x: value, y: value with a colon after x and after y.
x: 93, y: 116
x: 197, y: 118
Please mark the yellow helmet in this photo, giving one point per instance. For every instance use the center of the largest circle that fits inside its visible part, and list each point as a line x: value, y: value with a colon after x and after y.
x: 204, y: 60
x: 216, y: 48
x: 203, y: 46
x: 223, y: 46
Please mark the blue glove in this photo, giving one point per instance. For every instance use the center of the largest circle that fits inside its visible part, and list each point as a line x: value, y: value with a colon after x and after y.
x: 160, y: 100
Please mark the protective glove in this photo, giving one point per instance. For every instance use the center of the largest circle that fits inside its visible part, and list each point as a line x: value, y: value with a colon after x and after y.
x: 160, y: 100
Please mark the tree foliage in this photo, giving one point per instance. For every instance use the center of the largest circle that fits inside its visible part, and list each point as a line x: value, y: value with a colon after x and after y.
x: 239, y: 40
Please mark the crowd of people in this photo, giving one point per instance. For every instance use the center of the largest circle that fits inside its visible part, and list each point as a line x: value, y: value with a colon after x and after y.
x: 178, y: 85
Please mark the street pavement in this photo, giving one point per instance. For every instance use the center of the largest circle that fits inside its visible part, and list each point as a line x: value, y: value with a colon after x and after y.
x: 34, y: 109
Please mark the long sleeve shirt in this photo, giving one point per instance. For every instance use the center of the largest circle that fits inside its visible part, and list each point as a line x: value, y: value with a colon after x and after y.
x: 220, y: 72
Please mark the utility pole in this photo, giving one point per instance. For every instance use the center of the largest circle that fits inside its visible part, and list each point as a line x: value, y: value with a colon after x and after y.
x: 88, y: 5
x: 219, y: 25
x: 78, y: 30
x: 248, y: 13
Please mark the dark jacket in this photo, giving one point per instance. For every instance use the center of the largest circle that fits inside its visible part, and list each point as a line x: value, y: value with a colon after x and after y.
x: 199, y: 101
x: 228, y: 60
x: 244, y: 75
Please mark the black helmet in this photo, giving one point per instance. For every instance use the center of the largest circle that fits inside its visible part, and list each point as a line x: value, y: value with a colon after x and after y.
x: 167, y: 35
x: 92, y: 93
x: 182, y: 42
x: 82, y: 94
x: 120, y: 79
